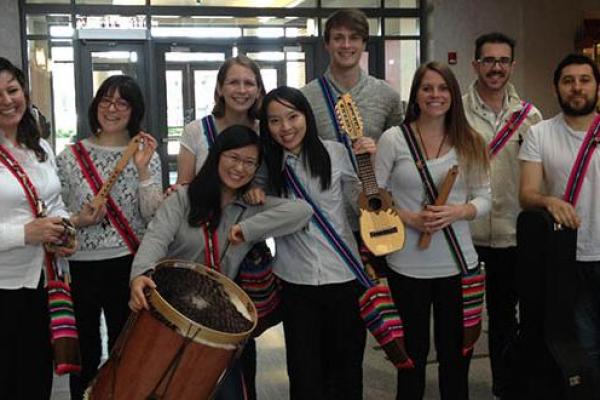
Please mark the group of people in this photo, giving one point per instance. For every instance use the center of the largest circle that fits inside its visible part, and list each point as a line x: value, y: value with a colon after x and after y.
x: 278, y: 165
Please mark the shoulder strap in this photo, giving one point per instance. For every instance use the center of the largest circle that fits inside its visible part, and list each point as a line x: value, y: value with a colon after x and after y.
x: 509, y: 129
x: 210, y: 130
x: 330, y: 100
x: 432, y: 193
x: 337, y: 243
x: 114, y: 213
x: 37, y: 205
x: 582, y: 162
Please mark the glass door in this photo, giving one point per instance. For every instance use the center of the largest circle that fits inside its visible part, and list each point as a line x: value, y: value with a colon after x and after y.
x: 188, y: 75
x: 100, y: 60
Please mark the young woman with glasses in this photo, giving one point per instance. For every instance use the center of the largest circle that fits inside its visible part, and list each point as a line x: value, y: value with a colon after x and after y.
x: 108, y: 239
x: 212, y: 205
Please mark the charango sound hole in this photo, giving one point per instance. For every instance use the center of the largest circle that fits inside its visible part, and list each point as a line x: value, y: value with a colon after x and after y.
x: 374, y: 203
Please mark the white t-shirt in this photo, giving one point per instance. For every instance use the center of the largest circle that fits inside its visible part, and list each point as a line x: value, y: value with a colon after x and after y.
x: 194, y: 139
x: 555, y: 145
x: 396, y: 170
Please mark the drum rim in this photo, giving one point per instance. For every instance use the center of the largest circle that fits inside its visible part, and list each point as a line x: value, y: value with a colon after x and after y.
x: 191, y: 329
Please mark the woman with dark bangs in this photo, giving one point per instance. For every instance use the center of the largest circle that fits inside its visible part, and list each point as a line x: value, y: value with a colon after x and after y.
x: 212, y: 206
x: 324, y: 333
x: 108, y: 241
x: 421, y: 279
x: 25, y: 349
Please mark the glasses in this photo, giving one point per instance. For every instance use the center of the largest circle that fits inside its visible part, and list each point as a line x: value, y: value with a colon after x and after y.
x: 491, y: 61
x: 120, y: 105
x: 248, y: 165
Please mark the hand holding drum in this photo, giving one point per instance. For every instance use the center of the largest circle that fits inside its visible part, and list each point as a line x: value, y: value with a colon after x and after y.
x: 137, y: 299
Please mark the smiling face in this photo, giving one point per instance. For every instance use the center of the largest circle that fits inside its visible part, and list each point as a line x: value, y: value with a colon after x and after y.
x: 345, y: 48
x: 287, y: 125
x: 494, y: 66
x: 237, y: 166
x: 13, y: 103
x: 433, y: 97
x: 577, y: 90
x: 113, y: 113
x: 239, y: 89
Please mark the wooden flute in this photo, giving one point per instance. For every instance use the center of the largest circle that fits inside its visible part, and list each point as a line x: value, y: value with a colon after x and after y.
x: 443, y: 193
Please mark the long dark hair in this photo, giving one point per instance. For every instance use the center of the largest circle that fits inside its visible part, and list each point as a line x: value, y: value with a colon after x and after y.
x: 204, y: 191
x: 469, y: 145
x: 314, y: 153
x: 129, y: 91
x: 28, y: 132
x: 219, y: 107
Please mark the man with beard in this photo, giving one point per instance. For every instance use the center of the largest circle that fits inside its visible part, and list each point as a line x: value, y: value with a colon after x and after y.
x: 495, y: 110
x: 548, y: 155
x: 346, y: 34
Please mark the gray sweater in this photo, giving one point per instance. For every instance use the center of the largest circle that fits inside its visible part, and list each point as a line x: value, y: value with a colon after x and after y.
x: 170, y: 235
x: 378, y: 103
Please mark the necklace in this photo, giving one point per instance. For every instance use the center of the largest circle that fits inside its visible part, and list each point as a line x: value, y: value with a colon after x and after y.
x: 439, y: 150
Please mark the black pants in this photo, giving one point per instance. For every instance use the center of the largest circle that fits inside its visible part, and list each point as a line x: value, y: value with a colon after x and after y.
x: 98, y: 286
x: 325, y: 341
x: 25, y: 350
x: 414, y: 298
x: 501, y: 301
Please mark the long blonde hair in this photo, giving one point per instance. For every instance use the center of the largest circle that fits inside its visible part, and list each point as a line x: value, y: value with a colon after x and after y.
x: 470, y: 146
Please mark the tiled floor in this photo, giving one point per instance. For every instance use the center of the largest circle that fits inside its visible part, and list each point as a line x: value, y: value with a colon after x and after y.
x: 379, y: 374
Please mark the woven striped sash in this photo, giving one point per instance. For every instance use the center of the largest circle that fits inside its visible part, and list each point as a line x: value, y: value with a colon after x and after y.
x: 210, y: 129
x: 377, y: 308
x: 113, y: 212
x: 63, y: 327
x: 509, y: 129
x: 432, y: 194
x: 330, y: 100
x: 473, y: 282
x: 582, y: 162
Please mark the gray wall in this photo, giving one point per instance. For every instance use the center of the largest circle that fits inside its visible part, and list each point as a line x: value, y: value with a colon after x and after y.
x: 10, y: 42
x: 545, y: 31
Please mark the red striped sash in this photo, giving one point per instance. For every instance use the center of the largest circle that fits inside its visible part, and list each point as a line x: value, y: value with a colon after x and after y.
x: 582, y: 162
x: 114, y: 213
x: 508, y: 130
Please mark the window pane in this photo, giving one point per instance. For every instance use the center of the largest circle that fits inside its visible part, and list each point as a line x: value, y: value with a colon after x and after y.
x: 401, y: 61
x: 296, y: 73
x: 350, y: 3
x: 111, y: 22
x: 236, y: 3
x: 48, y: 1
x: 52, y: 67
x: 55, y: 25
x: 113, y: 2
x: 225, y: 26
x: 402, y: 26
x: 401, y: 3
x: 374, y: 29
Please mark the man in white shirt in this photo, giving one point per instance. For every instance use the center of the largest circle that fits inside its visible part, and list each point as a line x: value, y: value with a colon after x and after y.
x: 547, y: 156
x: 491, y: 103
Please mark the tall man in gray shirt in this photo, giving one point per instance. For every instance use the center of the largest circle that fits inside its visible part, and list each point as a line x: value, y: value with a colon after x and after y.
x: 346, y: 35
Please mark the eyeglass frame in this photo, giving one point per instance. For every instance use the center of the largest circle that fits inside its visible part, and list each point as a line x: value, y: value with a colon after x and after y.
x: 248, y: 165
x: 120, y: 104
x: 490, y: 62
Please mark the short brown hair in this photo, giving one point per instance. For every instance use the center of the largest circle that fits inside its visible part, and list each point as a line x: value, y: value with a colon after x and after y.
x: 219, y: 108
x: 351, y: 18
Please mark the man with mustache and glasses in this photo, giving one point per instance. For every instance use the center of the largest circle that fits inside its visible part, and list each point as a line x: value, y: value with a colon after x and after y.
x: 547, y: 158
x: 495, y: 110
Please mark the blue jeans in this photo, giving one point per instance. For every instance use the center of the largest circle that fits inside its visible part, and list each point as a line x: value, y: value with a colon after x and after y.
x: 587, y: 309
